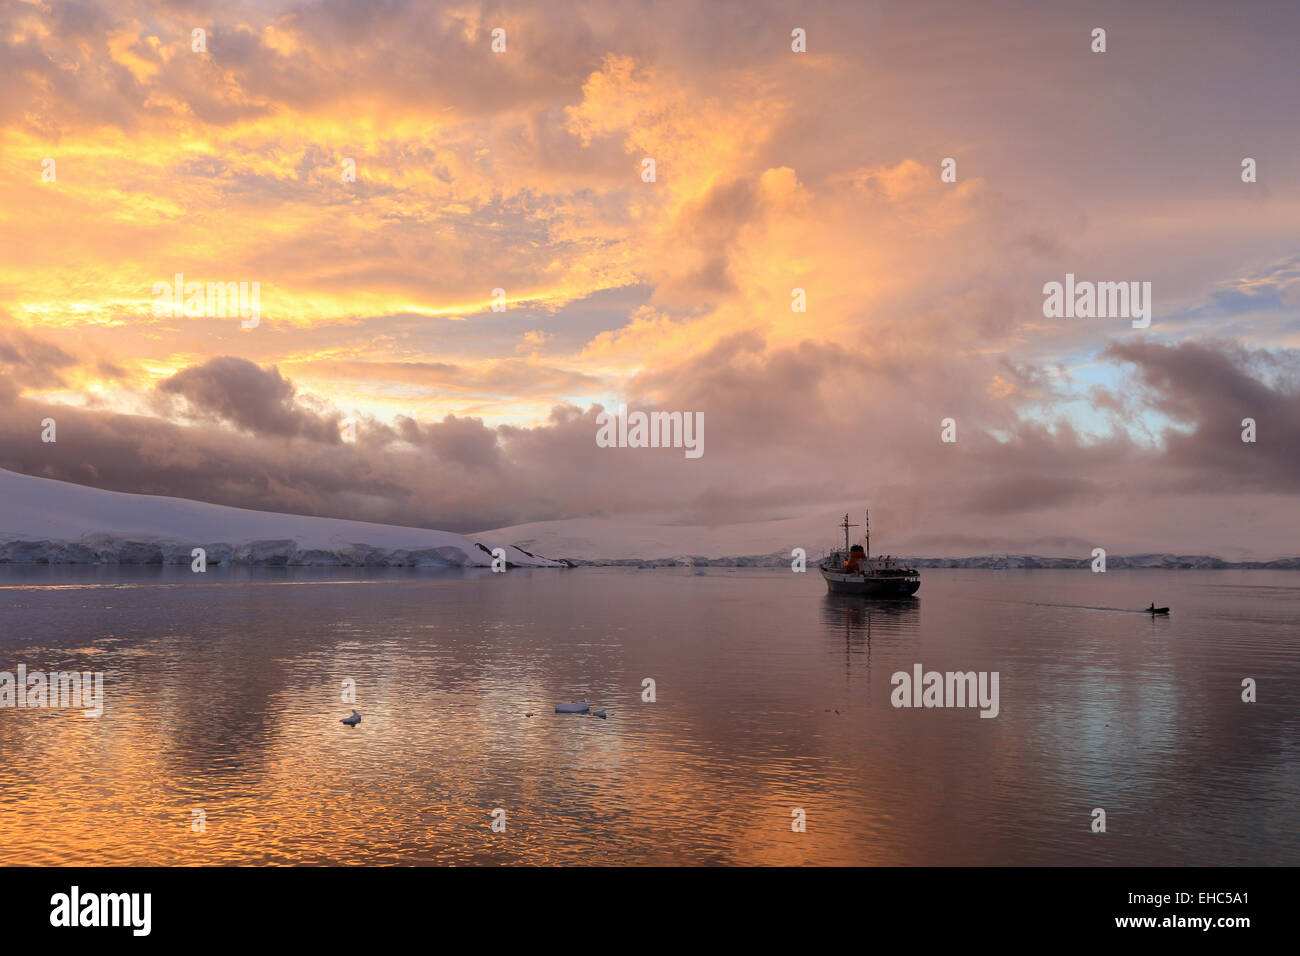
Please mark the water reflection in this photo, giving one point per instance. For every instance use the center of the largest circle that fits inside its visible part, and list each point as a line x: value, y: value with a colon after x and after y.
x: 772, y: 694
x: 848, y: 620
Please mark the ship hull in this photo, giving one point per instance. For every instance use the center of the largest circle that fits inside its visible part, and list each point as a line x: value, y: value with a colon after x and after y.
x: 870, y: 585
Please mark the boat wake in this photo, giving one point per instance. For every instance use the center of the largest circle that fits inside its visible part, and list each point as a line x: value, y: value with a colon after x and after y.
x: 1085, y: 607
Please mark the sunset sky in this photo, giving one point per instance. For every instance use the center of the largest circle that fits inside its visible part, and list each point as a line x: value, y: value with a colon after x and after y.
x: 775, y: 170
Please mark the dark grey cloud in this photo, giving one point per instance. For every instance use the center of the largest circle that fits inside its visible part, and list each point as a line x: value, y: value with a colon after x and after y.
x: 258, y: 400
x: 1212, y: 387
x: 26, y: 360
x: 466, y: 441
x: 1033, y: 492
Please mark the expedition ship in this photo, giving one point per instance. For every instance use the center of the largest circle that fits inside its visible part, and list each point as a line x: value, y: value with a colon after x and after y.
x: 854, y: 571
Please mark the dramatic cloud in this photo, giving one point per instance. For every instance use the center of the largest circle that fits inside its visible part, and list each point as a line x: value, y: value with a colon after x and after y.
x: 261, y: 401
x: 26, y: 360
x: 1214, y: 391
x: 502, y: 266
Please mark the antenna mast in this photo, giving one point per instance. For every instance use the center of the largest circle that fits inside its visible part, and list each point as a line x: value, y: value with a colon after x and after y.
x: 846, y: 526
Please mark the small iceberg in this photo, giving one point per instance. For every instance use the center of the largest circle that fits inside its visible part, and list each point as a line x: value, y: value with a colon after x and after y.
x: 579, y: 708
x: 351, y: 721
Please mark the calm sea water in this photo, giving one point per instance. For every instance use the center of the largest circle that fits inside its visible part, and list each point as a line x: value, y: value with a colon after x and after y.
x: 223, y: 693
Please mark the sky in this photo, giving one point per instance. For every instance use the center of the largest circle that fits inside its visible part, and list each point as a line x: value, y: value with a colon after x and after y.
x: 387, y: 379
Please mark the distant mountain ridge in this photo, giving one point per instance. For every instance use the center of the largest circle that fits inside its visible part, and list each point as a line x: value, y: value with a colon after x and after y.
x: 647, y: 539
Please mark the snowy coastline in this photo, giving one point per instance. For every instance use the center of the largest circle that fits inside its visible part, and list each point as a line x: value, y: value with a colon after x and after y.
x: 43, y: 521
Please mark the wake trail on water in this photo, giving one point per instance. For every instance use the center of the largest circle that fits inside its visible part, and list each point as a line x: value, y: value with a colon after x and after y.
x: 1079, y: 606
x: 1084, y: 607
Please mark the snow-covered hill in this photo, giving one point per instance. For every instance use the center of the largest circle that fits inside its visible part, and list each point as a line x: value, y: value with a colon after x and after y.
x: 45, y: 521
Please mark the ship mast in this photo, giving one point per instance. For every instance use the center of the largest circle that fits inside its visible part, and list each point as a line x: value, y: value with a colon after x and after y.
x: 846, y: 526
x: 866, y: 531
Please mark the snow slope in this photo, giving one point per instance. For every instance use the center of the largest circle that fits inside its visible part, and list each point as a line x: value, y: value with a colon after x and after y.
x: 46, y: 521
